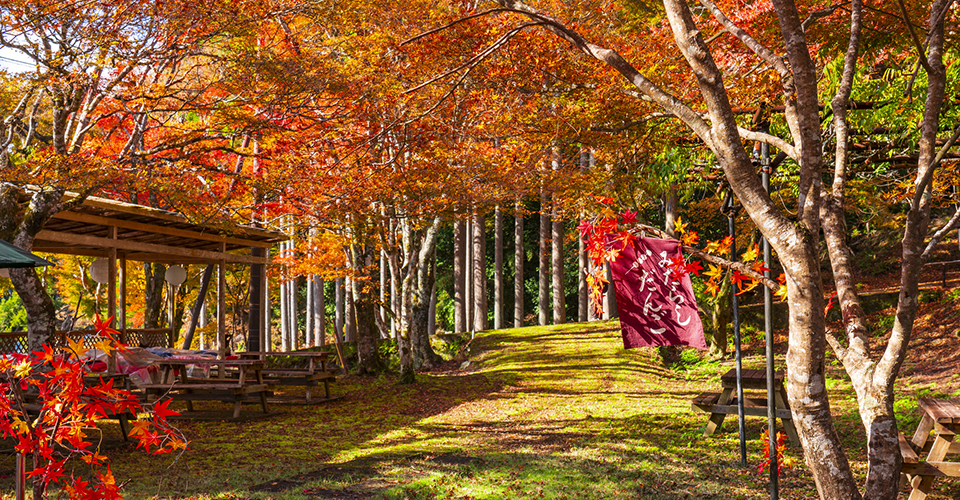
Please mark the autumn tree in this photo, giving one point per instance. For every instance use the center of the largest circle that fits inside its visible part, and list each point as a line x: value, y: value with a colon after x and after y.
x: 790, y: 55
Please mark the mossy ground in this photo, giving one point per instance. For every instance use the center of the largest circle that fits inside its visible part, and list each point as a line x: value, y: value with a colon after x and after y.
x: 541, y: 412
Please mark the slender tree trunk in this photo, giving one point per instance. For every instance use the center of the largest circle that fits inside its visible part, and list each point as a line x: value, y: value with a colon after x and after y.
x: 425, y: 278
x: 498, y: 270
x: 468, y: 278
x: 543, y: 289
x: 479, y: 273
x: 609, y: 298
x: 559, y: 294
x: 339, y: 308
x: 671, y: 207
x: 367, y: 335
x: 583, y: 262
x: 349, y: 310
x: 153, y: 294
x: 459, y: 267
x: 319, y: 312
x: 518, y: 258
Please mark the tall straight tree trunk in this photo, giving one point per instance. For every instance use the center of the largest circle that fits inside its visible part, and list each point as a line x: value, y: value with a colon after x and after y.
x: 339, y: 306
x: 479, y: 273
x: 583, y: 262
x: 559, y: 295
x: 367, y: 335
x: 432, y: 325
x: 349, y: 310
x: 153, y: 294
x: 459, y: 276
x: 319, y: 312
x: 518, y: 258
x: 609, y: 298
x: 284, y: 308
x: 468, y: 276
x: 384, y: 285
x: 498, y: 269
x: 671, y: 207
x: 543, y: 290
x: 308, y: 334
x: 423, y: 285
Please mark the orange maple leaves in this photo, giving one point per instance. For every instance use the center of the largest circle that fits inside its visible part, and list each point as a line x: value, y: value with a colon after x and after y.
x: 68, y: 406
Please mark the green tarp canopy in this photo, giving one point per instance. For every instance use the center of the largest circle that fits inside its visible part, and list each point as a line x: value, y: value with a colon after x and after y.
x: 12, y: 256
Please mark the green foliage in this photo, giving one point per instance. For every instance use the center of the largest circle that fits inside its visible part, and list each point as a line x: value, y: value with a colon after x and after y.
x: 13, y: 316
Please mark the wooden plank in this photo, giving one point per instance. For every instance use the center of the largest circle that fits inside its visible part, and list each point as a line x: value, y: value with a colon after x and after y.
x: 157, y: 229
x: 98, y: 242
x: 909, y: 455
x: 951, y: 469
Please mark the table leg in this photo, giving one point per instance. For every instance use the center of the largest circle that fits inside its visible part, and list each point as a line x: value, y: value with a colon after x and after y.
x: 183, y: 379
x: 780, y: 398
x: 922, y: 435
x: 263, y: 394
x: 921, y: 487
x: 716, y: 419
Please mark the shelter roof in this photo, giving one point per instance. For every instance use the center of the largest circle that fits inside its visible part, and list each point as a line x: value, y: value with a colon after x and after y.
x: 149, y: 235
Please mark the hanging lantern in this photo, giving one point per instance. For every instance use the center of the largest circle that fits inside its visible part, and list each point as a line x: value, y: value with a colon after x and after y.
x: 175, y: 275
x: 100, y: 270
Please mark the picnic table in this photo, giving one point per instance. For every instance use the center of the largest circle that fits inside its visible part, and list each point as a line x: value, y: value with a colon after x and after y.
x: 176, y: 383
x: 934, y: 437
x: 311, y: 376
x: 723, y: 403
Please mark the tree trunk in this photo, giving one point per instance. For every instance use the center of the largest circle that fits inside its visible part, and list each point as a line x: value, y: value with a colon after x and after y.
x: 153, y: 294
x: 543, y: 289
x: 367, y: 335
x: 339, y: 309
x: 349, y: 310
x: 518, y: 258
x: 459, y: 267
x: 559, y: 294
x: 420, y: 298
x: 479, y: 273
x: 498, y: 269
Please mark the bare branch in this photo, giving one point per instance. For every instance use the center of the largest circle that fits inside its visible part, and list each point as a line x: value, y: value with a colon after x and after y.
x: 820, y: 14
x: 913, y: 36
x: 770, y: 139
x: 940, y: 234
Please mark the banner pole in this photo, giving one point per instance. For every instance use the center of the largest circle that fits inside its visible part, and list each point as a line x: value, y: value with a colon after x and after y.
x: 730, y: 208
x: 768, y: 328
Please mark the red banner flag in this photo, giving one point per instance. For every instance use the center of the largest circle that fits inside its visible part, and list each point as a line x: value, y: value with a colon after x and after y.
x: 656, y: 307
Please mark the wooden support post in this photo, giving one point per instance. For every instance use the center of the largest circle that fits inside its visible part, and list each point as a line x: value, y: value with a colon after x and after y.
x: 222, y: 309
x: 122, y: 313
x: 112, y: 294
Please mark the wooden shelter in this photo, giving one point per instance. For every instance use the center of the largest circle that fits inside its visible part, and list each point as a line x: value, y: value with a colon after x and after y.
x: 121, y: 232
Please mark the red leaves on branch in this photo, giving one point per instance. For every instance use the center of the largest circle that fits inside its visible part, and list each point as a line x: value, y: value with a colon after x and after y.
x: 68, y: 406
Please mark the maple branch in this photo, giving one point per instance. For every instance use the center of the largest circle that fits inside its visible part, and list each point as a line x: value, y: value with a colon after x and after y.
x: 916, y: 40
x: 713, y: 259
x: 614, y: 60
x: 820, y: 14
x: 477, y: 59
x: 939, y: 235
x: 924, y: 180
x: 454, y: 23
x: 782, y: 145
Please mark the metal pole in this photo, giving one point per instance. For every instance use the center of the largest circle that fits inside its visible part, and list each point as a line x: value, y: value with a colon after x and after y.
x: 731, y: 215
x: 768, y: 328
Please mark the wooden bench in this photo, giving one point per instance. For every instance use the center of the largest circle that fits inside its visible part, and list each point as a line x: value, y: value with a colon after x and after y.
x: 724, y: 403
x: 942, y: 416
x: 312, y: 376
x: 247, y: 385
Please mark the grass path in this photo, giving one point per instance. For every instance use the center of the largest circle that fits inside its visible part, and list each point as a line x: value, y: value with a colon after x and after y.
x: 551, y: 412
